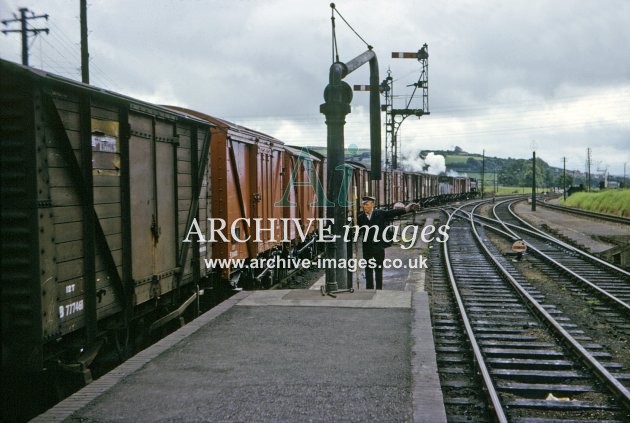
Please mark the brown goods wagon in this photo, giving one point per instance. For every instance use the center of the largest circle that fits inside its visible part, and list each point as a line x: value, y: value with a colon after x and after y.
x: 321, y: 169
x: 363, y: 181
x: 416, y: 186
x: 445, y: 185
x: 389, y: 189
x: 319, y: 161
x: 459, y: 185
x: 377, y: 188
x: 465, y: 185
x: 357, y: 187
x: 246, y: 173
x: 302, y: 189
x: 397, y: 190
x: 97, y: 192
x: 431, y: 186
x: 407, y: 186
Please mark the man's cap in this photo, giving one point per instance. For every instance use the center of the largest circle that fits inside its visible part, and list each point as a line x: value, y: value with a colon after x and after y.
x: 367, y: 198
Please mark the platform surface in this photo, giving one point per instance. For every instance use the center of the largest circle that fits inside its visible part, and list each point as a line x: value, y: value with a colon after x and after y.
x: 280, y: 356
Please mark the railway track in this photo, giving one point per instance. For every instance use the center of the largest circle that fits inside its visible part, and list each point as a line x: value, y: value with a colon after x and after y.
x: 608, y: 281
x: 598, y: 311
x: 594, y: 215
x: 532, y: 361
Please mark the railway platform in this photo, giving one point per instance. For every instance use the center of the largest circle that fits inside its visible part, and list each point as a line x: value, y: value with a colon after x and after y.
x: 282, y: 355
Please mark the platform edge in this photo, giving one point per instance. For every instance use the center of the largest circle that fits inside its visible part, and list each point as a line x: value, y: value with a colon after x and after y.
x: 85, y: 395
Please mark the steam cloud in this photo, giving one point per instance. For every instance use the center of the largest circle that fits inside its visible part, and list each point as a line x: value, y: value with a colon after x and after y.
x: 433, y: 164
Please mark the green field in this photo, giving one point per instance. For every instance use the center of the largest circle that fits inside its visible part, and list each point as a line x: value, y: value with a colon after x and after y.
x: 501, y: 190
x: 453, y: 160
x: 616, y: 202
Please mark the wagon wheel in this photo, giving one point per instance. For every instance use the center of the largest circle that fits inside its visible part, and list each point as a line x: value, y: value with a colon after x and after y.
x: 267, y: 280
x: 279, y: 275
x: 247, y: 280
x: 122, y: 338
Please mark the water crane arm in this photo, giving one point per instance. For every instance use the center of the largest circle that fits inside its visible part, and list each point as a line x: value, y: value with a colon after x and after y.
x: 338, y: 71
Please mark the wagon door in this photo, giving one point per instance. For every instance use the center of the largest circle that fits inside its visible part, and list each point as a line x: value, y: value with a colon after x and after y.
x: 269, y: 188
x: 288, y: 188
x: 152, y: 153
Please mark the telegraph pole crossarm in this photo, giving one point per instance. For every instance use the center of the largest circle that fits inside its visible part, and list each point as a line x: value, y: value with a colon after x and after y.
x: 23, y: 19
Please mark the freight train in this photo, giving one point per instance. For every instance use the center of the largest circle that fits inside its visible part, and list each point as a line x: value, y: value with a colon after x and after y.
x: 100, y: 191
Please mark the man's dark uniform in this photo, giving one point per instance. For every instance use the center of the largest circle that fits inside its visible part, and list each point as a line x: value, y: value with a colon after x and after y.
x: 376, y: 250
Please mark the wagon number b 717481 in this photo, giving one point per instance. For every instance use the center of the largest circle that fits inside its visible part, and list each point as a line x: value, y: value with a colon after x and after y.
x: 70, y: 309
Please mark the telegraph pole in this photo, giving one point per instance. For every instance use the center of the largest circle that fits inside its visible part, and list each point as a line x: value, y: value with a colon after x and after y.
x: 534, y: 182
x: 588, y: 171
x: 23, y: 20
x: 85, y: 56
x: 564, y: 178
x: 483, y: 171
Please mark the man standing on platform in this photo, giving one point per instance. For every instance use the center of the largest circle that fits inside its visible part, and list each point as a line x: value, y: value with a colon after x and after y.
x: 373, y: 244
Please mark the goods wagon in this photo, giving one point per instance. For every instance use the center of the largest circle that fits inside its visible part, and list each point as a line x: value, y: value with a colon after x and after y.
x: 423, y: 188
x: 262, y: 189
x: 445, y: 186
x: 389, y: 189
x: 358, y: 184
x: 97, y: 192
x: 303, y: 187
x: 418, y: 186
x: 247, y: 181
x: 408, y: 184
x: 461, y: 185
x: 430, y: 186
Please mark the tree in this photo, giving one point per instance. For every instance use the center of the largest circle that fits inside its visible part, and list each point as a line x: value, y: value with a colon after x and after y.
x: 473, y: 165
x: 564, y: 180
x: 519, y: 173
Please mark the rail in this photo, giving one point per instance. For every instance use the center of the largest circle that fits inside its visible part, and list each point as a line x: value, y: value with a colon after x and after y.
x: 602, y: 216
x: 497, y: 408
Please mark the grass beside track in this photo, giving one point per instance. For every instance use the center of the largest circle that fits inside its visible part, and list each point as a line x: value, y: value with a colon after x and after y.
x: 615, y: 202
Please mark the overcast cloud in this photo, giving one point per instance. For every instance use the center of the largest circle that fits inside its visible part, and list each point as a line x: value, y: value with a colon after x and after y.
x: 504, y: 77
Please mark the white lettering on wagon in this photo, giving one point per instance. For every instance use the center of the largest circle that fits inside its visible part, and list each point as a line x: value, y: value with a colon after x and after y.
x: 70, y: 309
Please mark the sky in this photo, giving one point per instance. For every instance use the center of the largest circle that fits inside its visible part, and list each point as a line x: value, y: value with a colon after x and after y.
x: 505, y: 77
